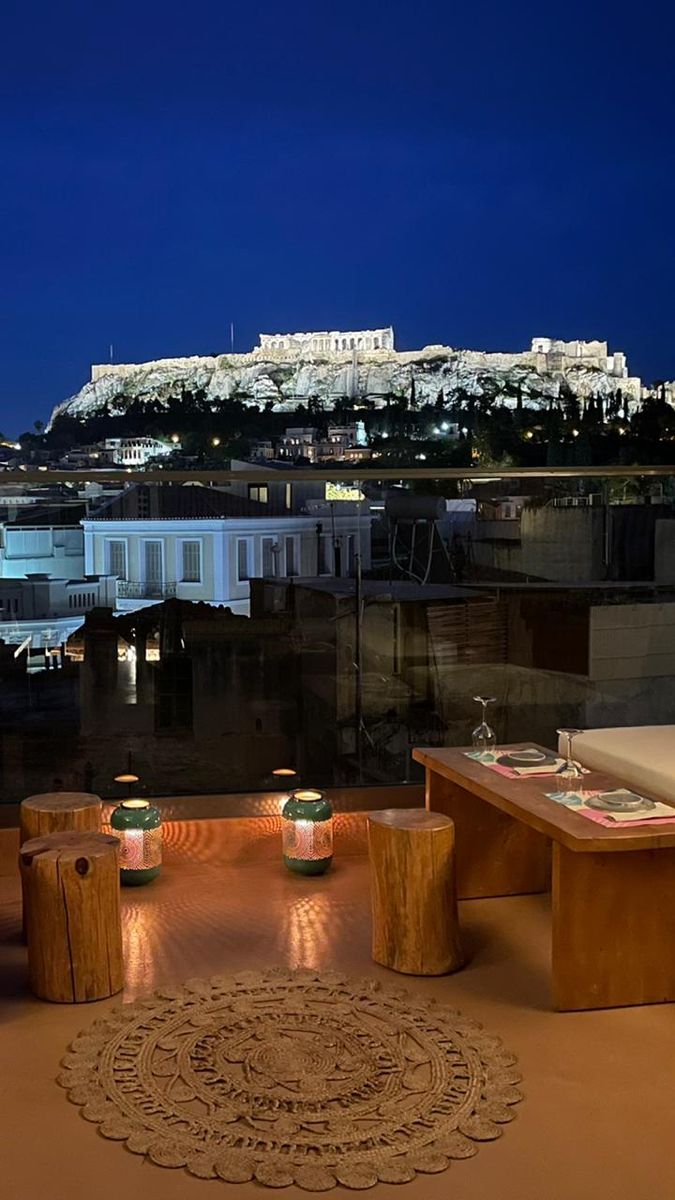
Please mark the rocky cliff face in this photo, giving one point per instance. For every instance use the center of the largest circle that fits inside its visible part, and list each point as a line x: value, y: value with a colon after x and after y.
x: 261, y: 377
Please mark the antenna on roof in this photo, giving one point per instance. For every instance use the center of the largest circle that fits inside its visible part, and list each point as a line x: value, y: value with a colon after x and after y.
x: 111, y: 351
x: 232, y: 337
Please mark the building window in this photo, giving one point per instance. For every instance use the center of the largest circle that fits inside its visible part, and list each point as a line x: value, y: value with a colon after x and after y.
x: 117, y: 559
x: 291, y: 557
x: 143, y: 502
x: 268, y: 557
x: 258, y: 492
x: 192, y: 562
x: 324, y: 554
x: 243, y: 560
x: 153, y: 563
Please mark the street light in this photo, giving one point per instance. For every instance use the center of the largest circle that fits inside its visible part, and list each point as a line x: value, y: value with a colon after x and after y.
x: 215, y: 441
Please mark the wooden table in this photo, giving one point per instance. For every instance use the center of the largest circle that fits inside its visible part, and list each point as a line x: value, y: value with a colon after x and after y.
x: 613, y: 890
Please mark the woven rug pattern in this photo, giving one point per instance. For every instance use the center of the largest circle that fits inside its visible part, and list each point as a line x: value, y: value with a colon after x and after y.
x: 300, y: 1077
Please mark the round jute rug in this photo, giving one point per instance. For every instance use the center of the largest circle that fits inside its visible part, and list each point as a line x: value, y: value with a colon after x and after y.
x: 300, y: 1077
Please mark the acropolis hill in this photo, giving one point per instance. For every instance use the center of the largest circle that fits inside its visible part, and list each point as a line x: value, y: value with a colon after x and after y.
x: 287, y: 370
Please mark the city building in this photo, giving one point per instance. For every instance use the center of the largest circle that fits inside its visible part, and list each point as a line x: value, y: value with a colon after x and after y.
x: 40, y: 612
x: 137, y: 451
x: 42, y: 538
x: 262, y: 449
x: 204, y: 544
x: 342, y: 443
x: 298, y: 442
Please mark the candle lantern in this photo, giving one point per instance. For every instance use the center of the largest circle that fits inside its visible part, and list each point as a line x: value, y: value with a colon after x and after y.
x: 307, y: 832
x: 138, y: 826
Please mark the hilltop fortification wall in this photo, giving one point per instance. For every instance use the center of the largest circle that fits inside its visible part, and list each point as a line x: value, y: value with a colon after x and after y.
x: 288, y: 370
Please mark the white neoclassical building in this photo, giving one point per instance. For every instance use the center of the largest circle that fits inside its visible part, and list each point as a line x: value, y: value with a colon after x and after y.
x: 200, y: 543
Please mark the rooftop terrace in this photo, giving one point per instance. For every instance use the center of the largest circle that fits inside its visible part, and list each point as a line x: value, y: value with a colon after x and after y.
x: 596, y: 1119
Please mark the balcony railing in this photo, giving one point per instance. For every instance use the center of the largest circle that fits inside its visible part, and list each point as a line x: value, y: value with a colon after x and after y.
x: 128, y: 590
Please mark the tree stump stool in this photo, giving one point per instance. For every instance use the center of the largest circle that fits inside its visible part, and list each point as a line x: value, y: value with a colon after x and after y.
x: 58, y: 812
x: 413, y: 891
x: 72, y: 891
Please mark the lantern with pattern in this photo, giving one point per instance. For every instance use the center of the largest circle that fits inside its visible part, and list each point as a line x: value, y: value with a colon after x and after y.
x: 307, y: 832
x: 138, y: 826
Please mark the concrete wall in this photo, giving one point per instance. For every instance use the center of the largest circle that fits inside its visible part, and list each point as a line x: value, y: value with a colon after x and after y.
x: 564, y: 544
x: 664, y: 552
x: 499, y: 555
x: 632, y: 641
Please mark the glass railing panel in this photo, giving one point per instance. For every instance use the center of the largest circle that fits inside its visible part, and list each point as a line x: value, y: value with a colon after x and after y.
x: 201, y: 631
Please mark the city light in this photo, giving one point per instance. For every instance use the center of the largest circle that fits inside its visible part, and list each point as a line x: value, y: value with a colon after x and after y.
x: 215, y: 441
x: 175, y: 439
x: 444, y: 426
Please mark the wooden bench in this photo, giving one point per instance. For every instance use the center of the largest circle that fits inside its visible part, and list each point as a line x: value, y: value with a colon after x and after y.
x: 613, y: 890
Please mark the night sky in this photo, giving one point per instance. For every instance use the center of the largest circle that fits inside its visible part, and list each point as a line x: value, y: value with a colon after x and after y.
x: 474, y: 174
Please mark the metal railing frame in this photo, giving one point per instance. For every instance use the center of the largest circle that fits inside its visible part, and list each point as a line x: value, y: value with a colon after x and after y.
x: 356, y: 473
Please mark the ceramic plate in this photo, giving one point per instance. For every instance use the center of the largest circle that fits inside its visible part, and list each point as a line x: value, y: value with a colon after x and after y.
x: 620, y: 802
x: 528, y: 757
x: 511, y: 760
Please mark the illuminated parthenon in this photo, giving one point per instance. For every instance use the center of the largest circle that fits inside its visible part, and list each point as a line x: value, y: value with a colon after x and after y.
x: 329, y: 342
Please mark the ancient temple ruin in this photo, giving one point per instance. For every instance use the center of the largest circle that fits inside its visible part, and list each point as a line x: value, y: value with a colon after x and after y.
x: 329, y: 342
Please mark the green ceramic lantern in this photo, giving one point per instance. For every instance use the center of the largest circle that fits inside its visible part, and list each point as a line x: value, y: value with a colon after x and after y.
x: 307, y: 832
x: 138, y: 826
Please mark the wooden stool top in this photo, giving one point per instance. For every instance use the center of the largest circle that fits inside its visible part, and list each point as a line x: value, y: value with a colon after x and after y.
x: 60, y: 801
x: 413, y: 820
x: 68, y: 846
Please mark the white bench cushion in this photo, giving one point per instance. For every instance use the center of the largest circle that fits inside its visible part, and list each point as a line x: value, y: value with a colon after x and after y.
x: 641, y: 755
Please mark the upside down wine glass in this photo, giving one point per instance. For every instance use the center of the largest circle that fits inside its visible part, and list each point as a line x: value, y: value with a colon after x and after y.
x: 484, y: 736
x: 571, y: 771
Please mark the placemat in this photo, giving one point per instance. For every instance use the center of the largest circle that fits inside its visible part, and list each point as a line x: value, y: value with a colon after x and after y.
x: 489, y: 759
x: 576, y: 800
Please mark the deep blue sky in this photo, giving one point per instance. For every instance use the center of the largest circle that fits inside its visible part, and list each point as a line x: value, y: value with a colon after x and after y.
x: 475, y: 174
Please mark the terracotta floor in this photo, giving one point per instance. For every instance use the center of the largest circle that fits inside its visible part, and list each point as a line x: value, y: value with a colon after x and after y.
x: 597, y: 1121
